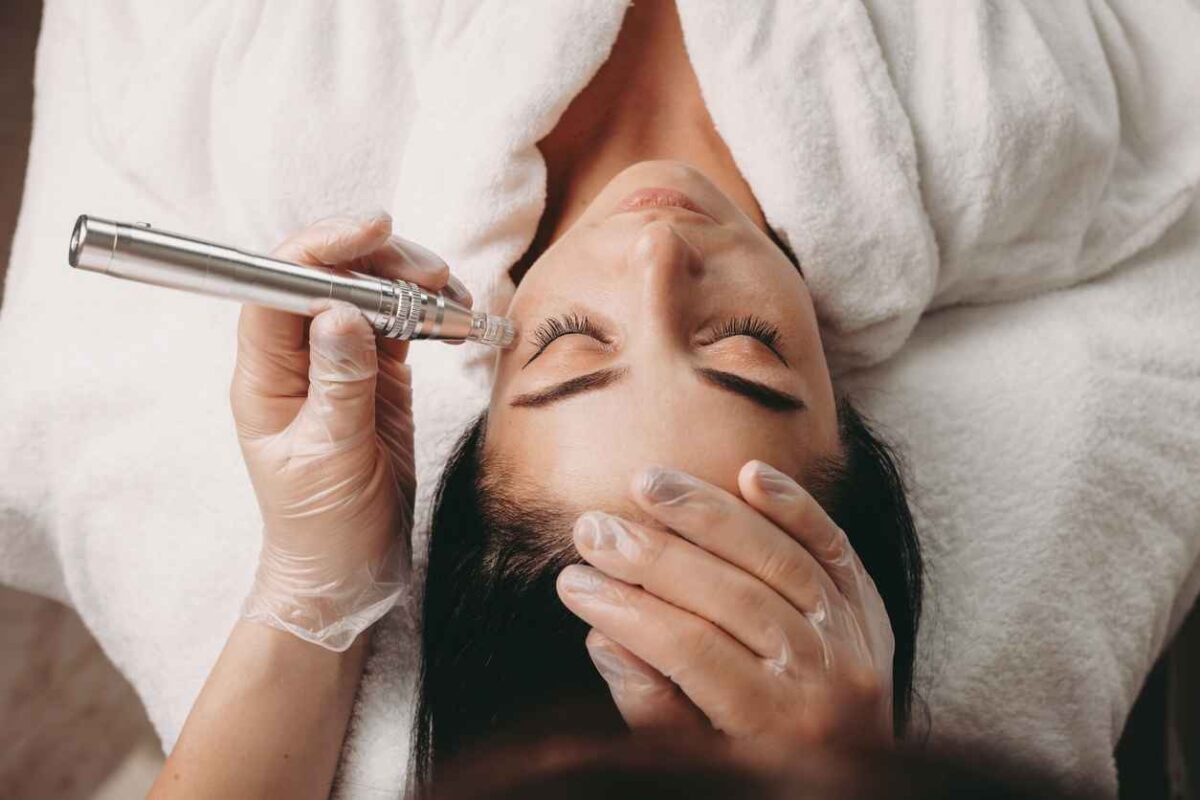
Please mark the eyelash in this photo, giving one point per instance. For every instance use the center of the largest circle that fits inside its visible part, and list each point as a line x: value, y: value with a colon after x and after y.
x: 752, y: 326
x: 554, y: 327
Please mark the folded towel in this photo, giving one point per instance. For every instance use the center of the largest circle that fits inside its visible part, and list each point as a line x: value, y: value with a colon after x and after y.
x: 915, y: 157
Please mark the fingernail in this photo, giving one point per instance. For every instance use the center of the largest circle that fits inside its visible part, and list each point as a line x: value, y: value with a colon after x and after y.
x: 374, y: 215
x: 342, y: 347
x: 337, y: 319
x: 617, y: 672
x: 600, y: 531
x: 592, y: 534
x: 774, y: 482
x: 663, y: 486
x: 577, y: 579
x: 610, y: 666
x: 458, y: 292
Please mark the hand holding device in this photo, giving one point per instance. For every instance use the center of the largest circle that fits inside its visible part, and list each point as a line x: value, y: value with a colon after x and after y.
x: 324, y: 419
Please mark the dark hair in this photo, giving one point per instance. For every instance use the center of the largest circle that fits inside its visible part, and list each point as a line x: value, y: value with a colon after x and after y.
x: 692, y: 768
x: 502, y: 657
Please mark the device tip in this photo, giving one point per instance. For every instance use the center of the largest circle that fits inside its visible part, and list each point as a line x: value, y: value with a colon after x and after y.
x: 493, y: 330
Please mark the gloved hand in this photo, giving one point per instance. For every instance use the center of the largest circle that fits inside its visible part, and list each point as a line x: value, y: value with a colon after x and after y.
x: 324, y: 419
x: 752, y: 614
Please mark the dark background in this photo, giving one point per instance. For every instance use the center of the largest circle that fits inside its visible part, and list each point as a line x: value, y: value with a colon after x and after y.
x: 19, y: 21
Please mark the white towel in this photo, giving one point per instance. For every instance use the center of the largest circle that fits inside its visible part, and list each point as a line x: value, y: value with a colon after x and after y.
x: 913, y: 157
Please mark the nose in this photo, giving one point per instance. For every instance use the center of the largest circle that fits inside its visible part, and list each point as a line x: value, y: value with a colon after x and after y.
x: 670, y: 269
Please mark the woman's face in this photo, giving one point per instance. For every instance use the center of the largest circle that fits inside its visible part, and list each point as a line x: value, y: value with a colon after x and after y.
x: 664, y: 327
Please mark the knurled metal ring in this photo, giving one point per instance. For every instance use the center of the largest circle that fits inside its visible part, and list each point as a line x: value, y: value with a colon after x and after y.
x: 409, y: 312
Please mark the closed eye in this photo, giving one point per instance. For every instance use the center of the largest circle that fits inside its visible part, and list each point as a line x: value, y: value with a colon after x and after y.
x: 752, y: 326
x: 553, y: 328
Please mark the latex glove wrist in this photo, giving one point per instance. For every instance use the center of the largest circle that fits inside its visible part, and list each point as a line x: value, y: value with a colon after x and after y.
x: 326, y: 604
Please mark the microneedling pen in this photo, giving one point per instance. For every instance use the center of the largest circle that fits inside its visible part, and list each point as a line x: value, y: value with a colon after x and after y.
x: 397, y: 309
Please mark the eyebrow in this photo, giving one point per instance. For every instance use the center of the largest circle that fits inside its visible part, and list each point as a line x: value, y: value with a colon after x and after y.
x: 759, y: 393
x: 569, y: 388
x: 765, y: 396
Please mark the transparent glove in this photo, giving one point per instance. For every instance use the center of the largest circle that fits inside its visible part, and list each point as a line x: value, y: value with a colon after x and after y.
x: 324, y: 419
x: 750, y: 614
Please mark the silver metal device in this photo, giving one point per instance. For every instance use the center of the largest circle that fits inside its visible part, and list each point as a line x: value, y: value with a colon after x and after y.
x: 397, y: 309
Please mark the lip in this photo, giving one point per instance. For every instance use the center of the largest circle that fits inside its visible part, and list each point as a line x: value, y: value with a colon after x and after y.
x: 659, y: 197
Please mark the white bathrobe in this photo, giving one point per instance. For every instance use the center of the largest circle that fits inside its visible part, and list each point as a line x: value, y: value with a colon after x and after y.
x: 915, y: 155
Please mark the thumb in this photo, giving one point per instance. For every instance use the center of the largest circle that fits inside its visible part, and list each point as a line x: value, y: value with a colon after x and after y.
x: 342, y: 371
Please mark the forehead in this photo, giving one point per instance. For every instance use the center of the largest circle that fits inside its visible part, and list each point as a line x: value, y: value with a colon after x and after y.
x: 589, y: 449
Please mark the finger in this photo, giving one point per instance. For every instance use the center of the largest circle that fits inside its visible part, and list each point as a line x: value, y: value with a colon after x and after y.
x: 400, y: 259
x: 271, y: 344
x: 677, y: 571
x: 341, y: 241
x: 405, y: 259
x: 783, y: 501
x: 778, y: 497
x: 645, y: 698
x: 725, y: 526
x: 270, y: 379
x: 718, y: 674
x: 342, y: 374
x: 393, y: 421
x: 457, y: 291
x: 336, y: 241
